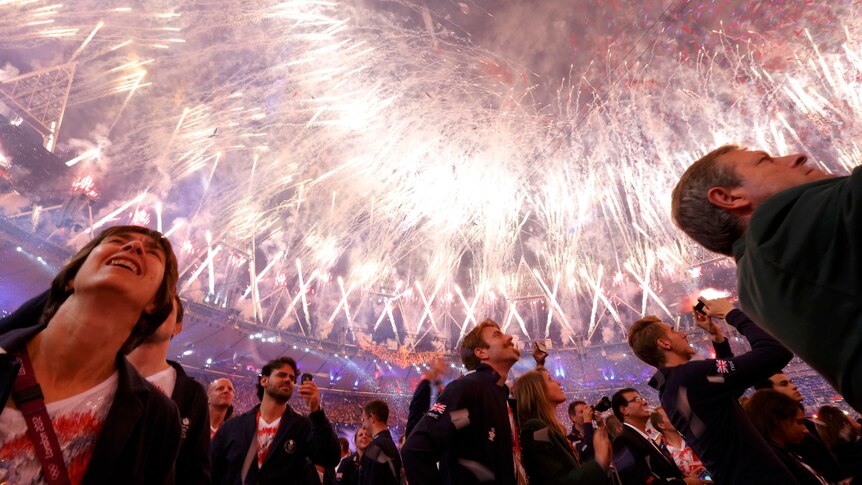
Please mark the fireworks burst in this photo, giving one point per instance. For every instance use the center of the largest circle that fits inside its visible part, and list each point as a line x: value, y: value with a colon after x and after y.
x: 326, y: 159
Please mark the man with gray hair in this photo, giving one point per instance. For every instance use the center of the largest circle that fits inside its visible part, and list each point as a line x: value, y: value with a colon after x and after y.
x: 794, y: 231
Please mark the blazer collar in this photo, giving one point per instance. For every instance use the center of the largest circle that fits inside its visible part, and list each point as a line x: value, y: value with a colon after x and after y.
x: 119, y: 426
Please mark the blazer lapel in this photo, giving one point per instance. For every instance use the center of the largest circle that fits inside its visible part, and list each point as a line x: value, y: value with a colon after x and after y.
x: 288, y: 421
x: 118, y: 427
x: 657, y: 458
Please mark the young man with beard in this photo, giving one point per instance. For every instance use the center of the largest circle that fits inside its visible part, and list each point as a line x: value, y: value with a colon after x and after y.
x: 347, y: 472
x: 701, y: 396
x: 220, y: 394
x: 150, y: 360
x: 381, y: 463
x: 64, y: 356
x: 271, y: 443
x: 471, y: 430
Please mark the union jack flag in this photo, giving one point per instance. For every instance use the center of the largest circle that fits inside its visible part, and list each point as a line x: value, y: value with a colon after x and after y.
x: 722, y: 367
x: 438, y: 408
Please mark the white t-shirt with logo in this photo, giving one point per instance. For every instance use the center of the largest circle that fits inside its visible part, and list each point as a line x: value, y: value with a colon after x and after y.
x: 164, y: 380
x: 265, y: 435
x: 77, y: 422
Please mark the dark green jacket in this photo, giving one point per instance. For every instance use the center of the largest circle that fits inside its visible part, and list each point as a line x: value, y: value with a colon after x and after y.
x: 799, y: 269
x: 548, y: 459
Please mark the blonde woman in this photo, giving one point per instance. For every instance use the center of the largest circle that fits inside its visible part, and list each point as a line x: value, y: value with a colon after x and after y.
x: 548, y: 456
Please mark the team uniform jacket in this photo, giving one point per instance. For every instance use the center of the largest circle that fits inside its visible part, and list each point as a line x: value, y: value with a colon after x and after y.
x: 140, y: 437
x: 347, y: 472
x: 549, y: 460
x: 381, y: 463
x: 299, y: 439
x: 419, y: 404
x: 639, y: 462
x: 193, y: 462
x: 583, y: 442
x: 700, y: 398
x: 799, y: 273
x: 813, y: 451
x: 467, y: 431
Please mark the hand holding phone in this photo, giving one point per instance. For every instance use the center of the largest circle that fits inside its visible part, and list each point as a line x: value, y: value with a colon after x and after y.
x: 308, y: 390
x: 540, y: 353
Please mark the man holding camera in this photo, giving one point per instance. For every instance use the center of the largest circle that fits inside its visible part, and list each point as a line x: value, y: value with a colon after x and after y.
x: 700, y: 396
x: 271, y: 443
x: 581, y: 435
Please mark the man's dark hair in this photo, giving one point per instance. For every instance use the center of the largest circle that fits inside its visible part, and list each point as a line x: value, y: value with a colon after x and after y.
x: 710, y: 226
x: 573, y: 405
x: 618, y: 401
x: 768, y: 409
x: 165, y: 296
x: 345, y: 445
x: 274, y: 365
x: 763, y: 384
x: 377, y: 408
x: 472, y: 341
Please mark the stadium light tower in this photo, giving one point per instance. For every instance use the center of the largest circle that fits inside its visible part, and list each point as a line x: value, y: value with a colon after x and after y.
x: 40, y: 99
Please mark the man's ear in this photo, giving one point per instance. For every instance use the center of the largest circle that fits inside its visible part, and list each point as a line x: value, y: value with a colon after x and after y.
x: 664, y: 344
x: 731, y: 199
x: 177, y: 329
x: 481, y: 353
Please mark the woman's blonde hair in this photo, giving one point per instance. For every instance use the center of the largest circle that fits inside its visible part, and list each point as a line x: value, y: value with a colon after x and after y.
x: 531, y: 393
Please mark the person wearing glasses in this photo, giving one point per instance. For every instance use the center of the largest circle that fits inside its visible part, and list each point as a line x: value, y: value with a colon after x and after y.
x: 637, y: 458
x: 701, y: 396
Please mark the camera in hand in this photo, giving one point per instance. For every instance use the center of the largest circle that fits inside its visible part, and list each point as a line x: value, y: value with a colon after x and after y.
x: 603, y: 405
x: 306, y: 378
x: 699, y: 307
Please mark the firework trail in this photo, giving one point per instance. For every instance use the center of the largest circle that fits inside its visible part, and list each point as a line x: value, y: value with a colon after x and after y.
x: 326, y: 161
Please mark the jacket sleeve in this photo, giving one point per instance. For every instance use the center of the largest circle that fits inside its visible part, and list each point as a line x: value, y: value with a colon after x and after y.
x: 546, y: 462
x: 323, y: 446
x: 342, y: 475
x: 432, y: 435
x: 718, y: 378
x: 723, y: 350
x: 632, y: 465
x: 161, y: 465
x: 218, y: 453
x: 586, y: 451
x: 193, y: 463
x: 419, y: 405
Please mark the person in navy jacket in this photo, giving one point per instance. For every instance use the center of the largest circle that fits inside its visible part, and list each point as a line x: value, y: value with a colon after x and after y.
x: 246, y: 451
x: 103, y: 303
x: 150, y: 360
x: 469, y: 431
x: 381, y: 462
x: 701, y: 396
